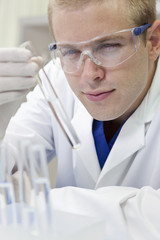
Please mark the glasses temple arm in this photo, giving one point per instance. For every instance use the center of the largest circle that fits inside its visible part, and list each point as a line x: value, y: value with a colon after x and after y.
x: 141, y: 29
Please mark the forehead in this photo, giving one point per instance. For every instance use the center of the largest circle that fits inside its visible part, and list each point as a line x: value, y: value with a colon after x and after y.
x: 87, y: 22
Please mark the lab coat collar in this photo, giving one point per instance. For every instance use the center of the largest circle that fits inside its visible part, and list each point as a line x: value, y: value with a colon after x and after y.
x: 85, y: 161
x: 131, y: 139
x: 151, y: 101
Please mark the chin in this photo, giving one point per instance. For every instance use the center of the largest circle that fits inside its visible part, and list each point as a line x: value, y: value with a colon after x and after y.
x: 102, y: 116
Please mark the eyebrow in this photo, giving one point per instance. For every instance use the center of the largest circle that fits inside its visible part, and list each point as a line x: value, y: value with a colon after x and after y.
x: 111, y: 37
x: 67, y: 45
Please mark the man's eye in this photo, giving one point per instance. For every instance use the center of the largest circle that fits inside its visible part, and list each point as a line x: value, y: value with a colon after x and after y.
x: 69, y: 52
x: 109, y: 46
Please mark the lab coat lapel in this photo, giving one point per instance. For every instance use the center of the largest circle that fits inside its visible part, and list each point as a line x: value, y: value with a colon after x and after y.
x: 85, y: 161
x: 129, y: 141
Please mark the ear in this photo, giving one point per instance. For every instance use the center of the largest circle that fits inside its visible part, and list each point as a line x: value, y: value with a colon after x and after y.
x: 153, y: 37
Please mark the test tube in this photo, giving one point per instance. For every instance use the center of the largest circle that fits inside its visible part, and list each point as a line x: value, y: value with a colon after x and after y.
x: 28, y: 217
x: 40, y: 182
x: 55, y: 105
x: 8, y: 214
x: 7, y: 197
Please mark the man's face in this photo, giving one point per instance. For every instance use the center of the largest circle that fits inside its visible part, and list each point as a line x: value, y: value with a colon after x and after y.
x: 107, y: 93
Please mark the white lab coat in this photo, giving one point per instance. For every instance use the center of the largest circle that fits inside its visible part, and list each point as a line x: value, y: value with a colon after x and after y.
x: 133, y: 163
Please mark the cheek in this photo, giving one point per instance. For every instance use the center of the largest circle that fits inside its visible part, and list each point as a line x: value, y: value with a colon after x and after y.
x: 74, y: 83
x: 131, y: 83
x: 134, y: 81
x: 135, y: 72
x: 134, y: 86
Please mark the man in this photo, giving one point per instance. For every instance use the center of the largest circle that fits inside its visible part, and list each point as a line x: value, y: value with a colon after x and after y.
x: 109, y: 55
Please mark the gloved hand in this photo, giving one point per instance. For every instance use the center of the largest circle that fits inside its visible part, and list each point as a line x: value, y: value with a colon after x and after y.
x: 18, y: 68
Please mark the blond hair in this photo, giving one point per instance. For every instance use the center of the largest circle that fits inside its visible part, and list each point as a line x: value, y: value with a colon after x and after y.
x: 140, y: 11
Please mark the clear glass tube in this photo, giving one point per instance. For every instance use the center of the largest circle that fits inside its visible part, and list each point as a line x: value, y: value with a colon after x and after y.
x: 7, y: 196
x: 7, y: 199
x: 40, y: 182
x: 55, y: 105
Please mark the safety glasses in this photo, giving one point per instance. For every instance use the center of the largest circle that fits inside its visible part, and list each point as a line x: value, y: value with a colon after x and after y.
x: 109, y: 50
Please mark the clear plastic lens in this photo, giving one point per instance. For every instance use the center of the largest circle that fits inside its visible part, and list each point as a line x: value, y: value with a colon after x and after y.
x: 107, y: 51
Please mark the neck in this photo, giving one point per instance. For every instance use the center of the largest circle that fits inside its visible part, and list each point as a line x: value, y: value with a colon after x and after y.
x: 110, y: 128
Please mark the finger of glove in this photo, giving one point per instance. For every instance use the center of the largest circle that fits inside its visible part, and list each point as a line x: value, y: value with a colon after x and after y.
x: 19, y: 69
x: 16, y: 83
x: 39, y: 60
x: 12, y: 96
x: 15, y: 55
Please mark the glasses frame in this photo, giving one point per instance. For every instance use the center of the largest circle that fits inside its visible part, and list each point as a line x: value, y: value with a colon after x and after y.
x: 137, y: 31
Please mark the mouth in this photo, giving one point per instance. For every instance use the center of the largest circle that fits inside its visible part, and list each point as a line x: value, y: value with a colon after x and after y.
x: 99, y: 96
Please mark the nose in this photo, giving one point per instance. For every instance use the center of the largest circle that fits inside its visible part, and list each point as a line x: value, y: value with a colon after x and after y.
x: 89, y: 54
x: 91, y: 71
